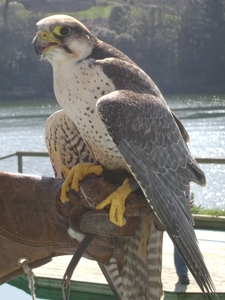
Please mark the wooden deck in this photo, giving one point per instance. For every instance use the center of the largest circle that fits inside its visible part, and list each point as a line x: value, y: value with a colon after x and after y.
x: 212, y: 244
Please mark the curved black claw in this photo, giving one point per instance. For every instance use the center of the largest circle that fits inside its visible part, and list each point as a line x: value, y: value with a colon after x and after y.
x: 76, y: 194
x: 115, y: 176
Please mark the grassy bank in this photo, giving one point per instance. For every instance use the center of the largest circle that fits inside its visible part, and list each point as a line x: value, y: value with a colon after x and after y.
x: 198, y: 210
x: 95, y: 12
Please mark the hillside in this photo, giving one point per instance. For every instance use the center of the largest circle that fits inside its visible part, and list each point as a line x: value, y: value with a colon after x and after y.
x: 180, y: 44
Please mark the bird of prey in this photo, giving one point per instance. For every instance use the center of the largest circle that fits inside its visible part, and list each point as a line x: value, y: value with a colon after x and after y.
x: 124, y: 121
x: 140, y: 276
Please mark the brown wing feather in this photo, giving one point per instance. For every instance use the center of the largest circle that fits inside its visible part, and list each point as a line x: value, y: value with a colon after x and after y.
x: 144, y: 130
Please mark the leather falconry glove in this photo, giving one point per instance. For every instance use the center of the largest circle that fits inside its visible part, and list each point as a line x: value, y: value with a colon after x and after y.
x: 34, y: 222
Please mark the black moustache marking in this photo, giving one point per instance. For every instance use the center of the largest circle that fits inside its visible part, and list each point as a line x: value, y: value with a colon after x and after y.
x: 67, y: 49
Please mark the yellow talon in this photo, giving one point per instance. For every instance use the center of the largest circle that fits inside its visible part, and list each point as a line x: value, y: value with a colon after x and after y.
x: 65, y: 171
x: 75, y: 175
x: 117, y: 200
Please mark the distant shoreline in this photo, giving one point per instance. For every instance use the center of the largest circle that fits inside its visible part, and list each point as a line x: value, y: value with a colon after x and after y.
x: 28, y: 94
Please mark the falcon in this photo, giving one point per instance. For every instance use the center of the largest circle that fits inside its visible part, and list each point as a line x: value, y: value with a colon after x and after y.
x: 123, y: 121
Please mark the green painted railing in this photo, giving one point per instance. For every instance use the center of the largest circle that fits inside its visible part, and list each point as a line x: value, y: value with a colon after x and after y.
x: 48, y: 288
x: 21, y: 154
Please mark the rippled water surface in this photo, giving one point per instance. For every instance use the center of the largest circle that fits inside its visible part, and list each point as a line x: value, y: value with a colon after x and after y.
x: 22, y: 128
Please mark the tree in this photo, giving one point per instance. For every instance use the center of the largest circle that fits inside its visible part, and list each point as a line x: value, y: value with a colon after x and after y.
x: 126, y: 43
x: 201, y: 46
x: 213, y: 50
x: 190, y: 68
x: 20, y: 67
x: 105, y: 34
x: 5, y: 12
x: 119, y: 18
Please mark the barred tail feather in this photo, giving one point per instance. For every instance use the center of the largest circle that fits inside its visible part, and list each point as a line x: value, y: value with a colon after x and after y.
x: 141, y: 270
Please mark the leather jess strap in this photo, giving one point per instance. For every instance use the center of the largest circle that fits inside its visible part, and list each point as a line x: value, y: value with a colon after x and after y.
x: 92, y: 223
x: 73, y: 263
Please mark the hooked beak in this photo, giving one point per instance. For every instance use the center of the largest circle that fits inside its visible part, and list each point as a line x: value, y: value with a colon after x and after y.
x: 43, y: 43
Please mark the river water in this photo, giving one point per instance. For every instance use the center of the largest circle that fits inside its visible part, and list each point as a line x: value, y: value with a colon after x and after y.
x: 22, y: 128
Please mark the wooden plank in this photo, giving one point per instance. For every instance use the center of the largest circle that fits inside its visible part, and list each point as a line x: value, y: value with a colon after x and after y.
x: 212, y: 245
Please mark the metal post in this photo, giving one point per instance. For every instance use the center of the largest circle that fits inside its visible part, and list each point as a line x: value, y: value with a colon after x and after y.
x: 20, y: 162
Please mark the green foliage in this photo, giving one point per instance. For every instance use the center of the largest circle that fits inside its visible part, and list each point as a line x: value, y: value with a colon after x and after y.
x: 179, y: 43
x: 23, y: 14
x: 201, y: 46
x: 94, y: 12
x: 104, y: 34
x: 213, y: 30
x: 20, y: 67
x: 126, y: 43
x: 198, y: 210
x: 104, y: 2
x: 118, y: 18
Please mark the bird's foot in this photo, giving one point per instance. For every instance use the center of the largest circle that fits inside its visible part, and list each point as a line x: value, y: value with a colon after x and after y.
x: 75, y: 175
x: 117, y: 200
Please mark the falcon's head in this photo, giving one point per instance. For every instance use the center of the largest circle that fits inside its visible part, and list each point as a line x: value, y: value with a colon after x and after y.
x: 60, y: 36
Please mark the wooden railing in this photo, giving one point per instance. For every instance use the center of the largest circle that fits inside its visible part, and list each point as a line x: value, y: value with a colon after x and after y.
x: 21, y: 154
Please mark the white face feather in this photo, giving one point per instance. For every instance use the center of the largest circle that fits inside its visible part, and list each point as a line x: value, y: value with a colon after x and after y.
x: 80, y: 49
x: 76, y: 45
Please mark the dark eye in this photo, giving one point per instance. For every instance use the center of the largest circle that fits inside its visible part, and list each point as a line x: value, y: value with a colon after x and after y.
x: 64, y: 30
x: 61, y: 30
